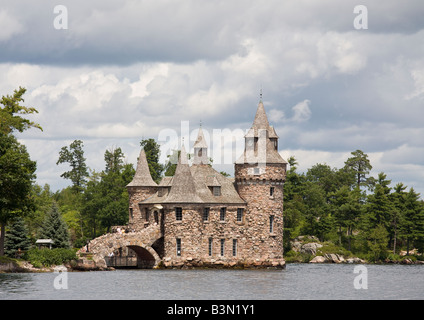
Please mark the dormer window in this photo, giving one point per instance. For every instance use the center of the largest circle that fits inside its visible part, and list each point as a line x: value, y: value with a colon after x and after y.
x: 274, y: 143
x: 216, y: 191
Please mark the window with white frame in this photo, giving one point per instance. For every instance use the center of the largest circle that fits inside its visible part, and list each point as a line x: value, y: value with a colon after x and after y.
x: 216, y: 191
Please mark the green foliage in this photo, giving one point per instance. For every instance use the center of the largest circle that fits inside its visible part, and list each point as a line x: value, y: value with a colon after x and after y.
x: 45, y: 257
x: 17, y: 238
x: 11, y: 111
x: 55, y: 228
x: 152, y: 150
x: 17, y: 172
x: 332, y: 204
x: 75, y: 157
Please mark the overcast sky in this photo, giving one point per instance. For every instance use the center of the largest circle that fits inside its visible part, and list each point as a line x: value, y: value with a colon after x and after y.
x: 127, y: 70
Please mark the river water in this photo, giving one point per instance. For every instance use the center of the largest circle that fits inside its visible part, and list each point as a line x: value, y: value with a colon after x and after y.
x: 297, y: 281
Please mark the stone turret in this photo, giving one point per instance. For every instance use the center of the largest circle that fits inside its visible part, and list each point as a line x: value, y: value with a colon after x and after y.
x: 200, y: 149
x: 140, y: 188
x: 259, y: 176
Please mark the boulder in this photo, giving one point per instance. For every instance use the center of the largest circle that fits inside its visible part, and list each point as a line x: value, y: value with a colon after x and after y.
x: 334, y: 258
x: 318, y: 259
x: 355, y: 260
x: 310, y: 248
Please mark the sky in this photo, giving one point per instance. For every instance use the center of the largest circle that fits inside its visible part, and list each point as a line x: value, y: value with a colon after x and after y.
x: 334, y: 78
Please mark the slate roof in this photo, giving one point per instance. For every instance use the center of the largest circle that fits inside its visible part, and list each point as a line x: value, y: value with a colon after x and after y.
x: 265, y: 153
x: 142, y: 177
x: 195, y: 185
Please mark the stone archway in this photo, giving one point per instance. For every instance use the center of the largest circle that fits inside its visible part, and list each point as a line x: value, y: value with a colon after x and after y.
x: 141, y: 242
x: 145, y: 258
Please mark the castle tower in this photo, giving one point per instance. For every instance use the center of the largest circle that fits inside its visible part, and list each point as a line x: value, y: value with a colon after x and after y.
x: 259, y: 177
x: 200, y: 149
x: 140, y: 188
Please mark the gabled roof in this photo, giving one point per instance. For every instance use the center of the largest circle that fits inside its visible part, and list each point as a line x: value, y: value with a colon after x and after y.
x: 142, y: 177
x: 183, y: 189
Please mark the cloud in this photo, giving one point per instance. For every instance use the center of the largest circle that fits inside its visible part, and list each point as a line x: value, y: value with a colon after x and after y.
x: 302, y: 112
x: 126, y: 71
x: 9, y: 26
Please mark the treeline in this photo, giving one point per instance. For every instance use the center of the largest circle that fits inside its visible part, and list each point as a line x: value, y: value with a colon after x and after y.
x: 367, y: 216
x: 347, y: 207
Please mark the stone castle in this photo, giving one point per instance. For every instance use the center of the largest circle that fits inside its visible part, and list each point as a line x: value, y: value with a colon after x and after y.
x: 200, y: 218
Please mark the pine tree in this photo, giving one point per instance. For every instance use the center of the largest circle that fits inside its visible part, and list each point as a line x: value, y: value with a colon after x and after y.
x: 412, y: 227
x: 54, y: 227
x: 16, y: 239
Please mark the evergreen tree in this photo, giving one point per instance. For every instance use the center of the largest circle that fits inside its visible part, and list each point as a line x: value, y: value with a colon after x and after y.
x: 55, y: 228
x: 152, y: 150
x: 16, y: 239
x: 397, y: 198
x: 361, y: 166
x: 412, y: 227
x: 17, y: 172
x: 16, y: 168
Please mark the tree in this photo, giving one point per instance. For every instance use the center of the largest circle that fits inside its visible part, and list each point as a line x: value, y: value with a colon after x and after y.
x: 114, y: 159
x: 10, y: 113
x: 152, y: 150
x: 16, y: 168
x: 17, y: 171
x: 413, y: 225
x: 346, y: 208
x: 105, y: 200
x: 171, y: 164
x: 294, y: 181
x: 398, y: 198
x: 55, y: 228
x: 360, y: 164
x: 17, y: 239
x: 377, y: 242
x: 75, y: 157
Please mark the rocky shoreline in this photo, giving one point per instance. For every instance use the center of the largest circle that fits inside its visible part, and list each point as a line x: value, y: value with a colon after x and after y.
x: 302, y: 245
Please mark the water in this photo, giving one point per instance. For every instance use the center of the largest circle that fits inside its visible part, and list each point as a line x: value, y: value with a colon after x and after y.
x: 297, y: 281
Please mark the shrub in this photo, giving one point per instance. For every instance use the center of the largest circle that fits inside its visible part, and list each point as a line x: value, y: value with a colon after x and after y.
x: 46, y: 257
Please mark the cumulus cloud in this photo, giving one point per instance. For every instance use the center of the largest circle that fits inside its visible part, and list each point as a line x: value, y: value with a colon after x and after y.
x: 126, y: 71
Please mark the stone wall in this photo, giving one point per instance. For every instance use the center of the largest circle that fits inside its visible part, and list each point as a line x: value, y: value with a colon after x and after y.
x: 136, y: 214
x: 198, y: 236
x: 264, y: 208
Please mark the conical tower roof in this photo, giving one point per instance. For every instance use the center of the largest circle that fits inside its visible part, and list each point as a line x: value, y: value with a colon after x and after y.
x: 264, y: 150
x: 261, y: 120
x: 142, y: 177
x: 200, y: 141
